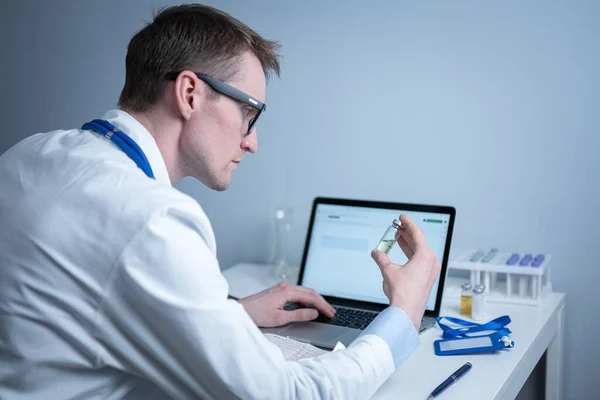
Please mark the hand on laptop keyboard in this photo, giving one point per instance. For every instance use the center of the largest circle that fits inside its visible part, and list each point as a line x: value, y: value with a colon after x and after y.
x: 295, y: 306
x: 348, y: 317
x: 266, y: 307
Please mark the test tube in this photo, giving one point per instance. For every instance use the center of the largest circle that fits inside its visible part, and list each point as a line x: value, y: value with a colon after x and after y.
x: 523, y: 279
x: 536, y: 281
x: 534, y: 286
x: 486, y: 281
x: 522, y: 286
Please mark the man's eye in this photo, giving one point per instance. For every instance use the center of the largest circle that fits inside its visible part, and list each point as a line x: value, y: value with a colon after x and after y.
x: 248, y: 111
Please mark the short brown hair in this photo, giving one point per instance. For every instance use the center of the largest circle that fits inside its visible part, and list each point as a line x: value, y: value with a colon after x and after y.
x: 189, y: 37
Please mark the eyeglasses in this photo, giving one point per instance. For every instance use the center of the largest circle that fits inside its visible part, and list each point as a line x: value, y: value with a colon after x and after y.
x: 231, y: 92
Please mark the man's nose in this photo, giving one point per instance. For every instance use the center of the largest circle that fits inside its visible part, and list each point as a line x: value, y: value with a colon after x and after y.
x: 250, y: 142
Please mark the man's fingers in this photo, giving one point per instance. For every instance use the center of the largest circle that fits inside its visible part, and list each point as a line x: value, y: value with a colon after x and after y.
x: 406, y: 248
x: 412, y: 234
x: 321, y: 302
x: 303, y: 314
x: 308, y: 296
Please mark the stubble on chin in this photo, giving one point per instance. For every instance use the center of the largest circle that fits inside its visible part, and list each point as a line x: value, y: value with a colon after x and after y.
x: 221, y: 183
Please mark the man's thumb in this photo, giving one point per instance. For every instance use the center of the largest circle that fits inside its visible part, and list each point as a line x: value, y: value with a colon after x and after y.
x: 304, y: 314
x: 381, y: 259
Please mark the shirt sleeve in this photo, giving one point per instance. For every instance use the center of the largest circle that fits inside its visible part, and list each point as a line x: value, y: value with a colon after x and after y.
x: 397, y: 330
x: 165, y: 317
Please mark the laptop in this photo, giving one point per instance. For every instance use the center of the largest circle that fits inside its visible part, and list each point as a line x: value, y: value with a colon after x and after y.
x: 337, y: 263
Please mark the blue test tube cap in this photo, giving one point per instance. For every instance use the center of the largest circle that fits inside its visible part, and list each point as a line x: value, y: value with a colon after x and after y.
x: 512, y: 260
x: 538, y: 260
x: 526, y: 260
x: 476, y: 256
x: 488, y: 257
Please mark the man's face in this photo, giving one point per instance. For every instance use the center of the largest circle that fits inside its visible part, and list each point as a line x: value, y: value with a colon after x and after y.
x: 215, y: 139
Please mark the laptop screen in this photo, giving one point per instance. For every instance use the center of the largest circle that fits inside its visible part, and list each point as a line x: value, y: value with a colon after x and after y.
x: 337, y: 260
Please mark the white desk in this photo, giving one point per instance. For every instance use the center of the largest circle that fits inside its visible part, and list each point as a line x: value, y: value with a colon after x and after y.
x: 494, y: 376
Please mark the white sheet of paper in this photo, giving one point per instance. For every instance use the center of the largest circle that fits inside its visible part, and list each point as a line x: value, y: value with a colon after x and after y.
x: 292, y: 349
x: 339, y: 346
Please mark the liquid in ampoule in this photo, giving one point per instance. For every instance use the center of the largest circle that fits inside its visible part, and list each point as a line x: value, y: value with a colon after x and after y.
x: 386, y: 245
x: 389, y: 237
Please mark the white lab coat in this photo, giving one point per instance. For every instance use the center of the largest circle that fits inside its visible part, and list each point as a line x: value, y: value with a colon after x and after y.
x: 110, y: 288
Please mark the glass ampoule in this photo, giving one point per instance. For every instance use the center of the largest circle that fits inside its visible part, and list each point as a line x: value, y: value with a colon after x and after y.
x: 478, y: 306
x: 389, y: 237
x: 466, y: 300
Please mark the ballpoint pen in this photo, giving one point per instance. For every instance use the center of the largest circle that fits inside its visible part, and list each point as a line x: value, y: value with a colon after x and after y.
x: 453, y: 378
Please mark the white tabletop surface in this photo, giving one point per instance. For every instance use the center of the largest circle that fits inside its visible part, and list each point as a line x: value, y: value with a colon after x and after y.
x: 498, y: 375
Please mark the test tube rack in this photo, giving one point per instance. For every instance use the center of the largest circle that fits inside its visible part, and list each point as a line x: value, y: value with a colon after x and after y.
x: 504, y: 283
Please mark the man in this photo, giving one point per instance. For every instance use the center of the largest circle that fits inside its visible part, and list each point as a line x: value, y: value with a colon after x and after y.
x: 109, y: 281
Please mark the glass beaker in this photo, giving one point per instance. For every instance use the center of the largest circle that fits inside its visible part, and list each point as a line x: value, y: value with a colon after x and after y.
x: 284, y: 270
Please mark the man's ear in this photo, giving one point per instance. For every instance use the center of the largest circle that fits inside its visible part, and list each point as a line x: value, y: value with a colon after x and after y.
x: 188, y: 93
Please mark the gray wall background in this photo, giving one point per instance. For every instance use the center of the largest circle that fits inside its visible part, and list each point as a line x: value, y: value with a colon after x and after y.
x: 491, y: 107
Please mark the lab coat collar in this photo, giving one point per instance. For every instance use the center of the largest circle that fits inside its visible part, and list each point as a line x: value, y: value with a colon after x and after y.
x: 134, y: 129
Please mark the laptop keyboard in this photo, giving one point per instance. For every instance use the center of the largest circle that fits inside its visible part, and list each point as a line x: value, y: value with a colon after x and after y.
x: 352, y: 318
x: 347, y: 317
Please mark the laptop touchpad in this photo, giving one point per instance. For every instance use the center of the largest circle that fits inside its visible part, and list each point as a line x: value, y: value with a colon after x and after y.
x: 314, y: 332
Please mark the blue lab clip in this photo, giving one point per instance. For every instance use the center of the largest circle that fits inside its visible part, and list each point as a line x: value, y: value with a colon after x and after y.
x: 466, y: 339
